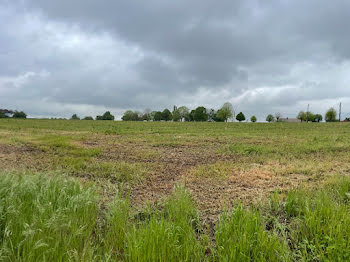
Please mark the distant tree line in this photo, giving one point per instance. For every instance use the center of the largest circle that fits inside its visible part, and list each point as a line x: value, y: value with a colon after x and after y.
x: 106, y: 116
x: 330, y: 116
x: 184, y: 114
x: 6, y: 113
x: 200, y: 114
x: 225, y: 113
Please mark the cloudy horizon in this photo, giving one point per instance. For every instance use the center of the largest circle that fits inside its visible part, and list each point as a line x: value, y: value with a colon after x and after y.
x: 63, y: 57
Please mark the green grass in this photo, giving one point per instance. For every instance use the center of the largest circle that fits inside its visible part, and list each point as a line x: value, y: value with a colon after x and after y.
x: 169, y: 234
x: 49, y: 218
x: 241, y: 236
x: 45, y: 218
x: 320, y: 224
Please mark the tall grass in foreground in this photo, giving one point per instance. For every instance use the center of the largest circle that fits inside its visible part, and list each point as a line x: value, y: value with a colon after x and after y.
x: 241, y: 236
x: 166, y: 234
x: 45, y: 219
x: 320, y: 223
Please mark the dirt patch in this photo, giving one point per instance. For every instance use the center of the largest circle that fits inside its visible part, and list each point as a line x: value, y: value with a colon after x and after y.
x: 173, y: 163
x: 214, y: 195
x: 20, y: 157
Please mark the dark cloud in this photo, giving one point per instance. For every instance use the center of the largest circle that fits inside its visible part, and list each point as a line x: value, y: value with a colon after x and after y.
x: 88, y: 55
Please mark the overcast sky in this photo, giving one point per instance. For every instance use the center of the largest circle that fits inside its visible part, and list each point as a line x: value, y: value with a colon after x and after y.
x: 62, y: 57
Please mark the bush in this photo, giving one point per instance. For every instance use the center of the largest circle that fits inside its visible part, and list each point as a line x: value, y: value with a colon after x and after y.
x: 253, y: 119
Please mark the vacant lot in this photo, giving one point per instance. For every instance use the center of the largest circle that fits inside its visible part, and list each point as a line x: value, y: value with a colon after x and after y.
x: 134, y: 182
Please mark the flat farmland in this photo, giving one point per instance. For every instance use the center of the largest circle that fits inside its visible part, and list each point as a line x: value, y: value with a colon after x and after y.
x: 237, y: 191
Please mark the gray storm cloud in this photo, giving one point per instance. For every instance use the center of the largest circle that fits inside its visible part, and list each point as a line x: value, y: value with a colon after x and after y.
x: 84, y: 56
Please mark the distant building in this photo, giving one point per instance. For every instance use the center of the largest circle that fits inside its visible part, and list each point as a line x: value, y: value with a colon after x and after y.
x: 290, y: 120
x: 6, y: 112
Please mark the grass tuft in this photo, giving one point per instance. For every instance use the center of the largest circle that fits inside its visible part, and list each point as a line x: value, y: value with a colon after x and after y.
x: 45, y: 218
x: 241, y: 236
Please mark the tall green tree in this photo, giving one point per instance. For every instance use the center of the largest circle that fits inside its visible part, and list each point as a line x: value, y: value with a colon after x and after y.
x: 190, y: 116
x: 200, y: 114
x: 240, y: 117
x: 318, y: 118
x: 167, y: 115
x: 331, y: 115
x: 225, y: 112
x: 270, y: 118
x: 19, y: 114
x: 146, y: 116
x: 184, y: 112
x: 157, y: 116
x: 75, y: 117
x: 176, y: 115
x: 310, y: 117
x: 219, y: 116
x: 302, y: 116
x: 106, y: 116
x: 130, y: 116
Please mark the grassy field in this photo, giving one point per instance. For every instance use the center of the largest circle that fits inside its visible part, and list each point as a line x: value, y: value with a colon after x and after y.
x: 147, y: 191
